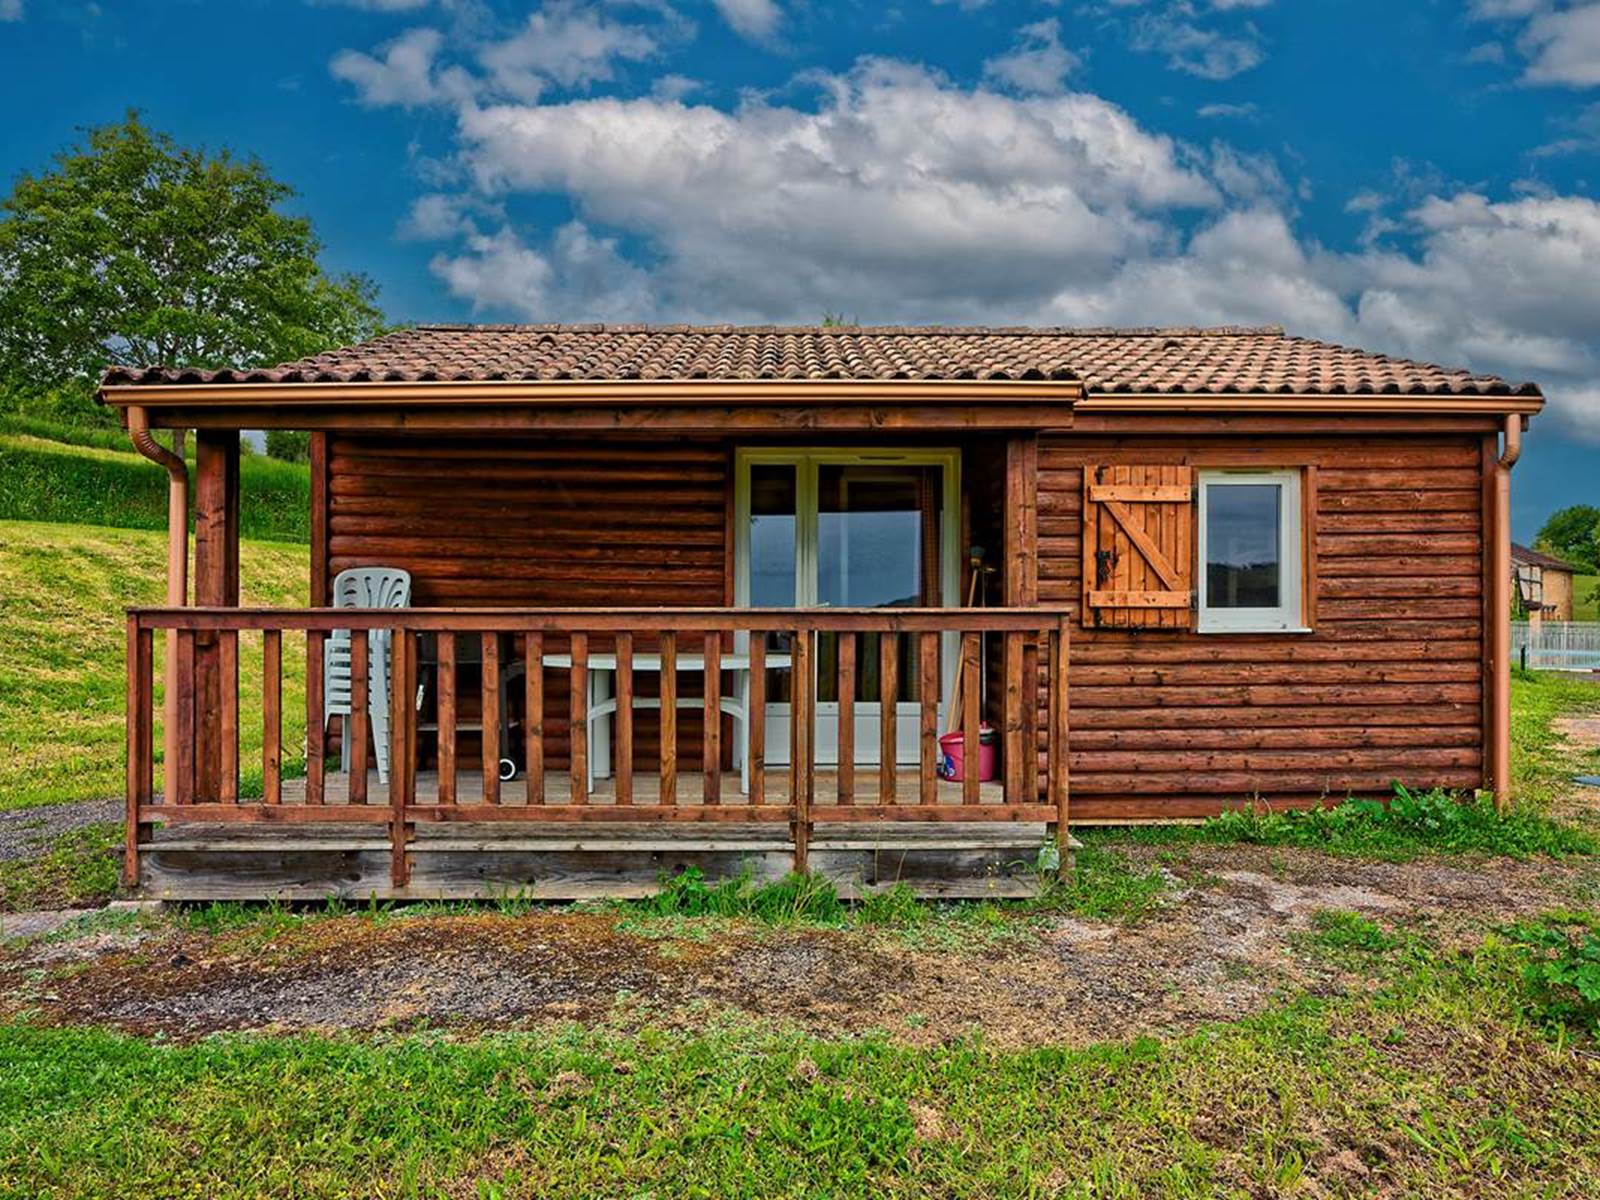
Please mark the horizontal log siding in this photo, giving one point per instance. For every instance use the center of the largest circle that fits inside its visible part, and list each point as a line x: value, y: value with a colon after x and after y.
x: 1168, y: 724
x: 540, y: 523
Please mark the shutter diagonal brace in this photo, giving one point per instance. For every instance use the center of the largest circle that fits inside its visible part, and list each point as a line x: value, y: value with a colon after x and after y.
x: 1146, y: 546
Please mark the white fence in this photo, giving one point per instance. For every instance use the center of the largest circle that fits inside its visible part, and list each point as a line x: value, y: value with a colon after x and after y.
x: 1556, y: 645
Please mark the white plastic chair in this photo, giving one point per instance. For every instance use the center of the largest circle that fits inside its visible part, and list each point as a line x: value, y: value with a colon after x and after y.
x: 363, y: 587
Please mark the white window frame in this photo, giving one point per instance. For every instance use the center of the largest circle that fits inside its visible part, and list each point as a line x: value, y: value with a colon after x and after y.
x: 1289, y: 615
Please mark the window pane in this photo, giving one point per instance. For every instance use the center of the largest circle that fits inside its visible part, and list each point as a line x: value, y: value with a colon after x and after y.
x: 772, y: 526
x: 1243, y: 554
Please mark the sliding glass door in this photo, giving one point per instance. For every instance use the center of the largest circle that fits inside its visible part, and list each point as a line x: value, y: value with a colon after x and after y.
x: 847, y: 529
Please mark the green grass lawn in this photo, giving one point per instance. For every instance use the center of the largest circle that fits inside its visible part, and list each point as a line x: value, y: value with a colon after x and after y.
x: 45, y: 480
x: 1586, y: 597
x: 63, y: 590
x: 1437, y: 1079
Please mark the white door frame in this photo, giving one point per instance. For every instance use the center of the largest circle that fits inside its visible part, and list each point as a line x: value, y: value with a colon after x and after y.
x: 807, y: 462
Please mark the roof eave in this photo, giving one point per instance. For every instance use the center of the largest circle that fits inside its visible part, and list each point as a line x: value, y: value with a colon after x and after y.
x: 1277, y: 402
x: 599, y: 392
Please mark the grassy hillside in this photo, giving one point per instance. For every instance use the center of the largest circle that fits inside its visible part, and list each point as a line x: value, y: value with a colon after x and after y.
x: 1586, y: 597
x: 45, y: 480
x: 63, y: 589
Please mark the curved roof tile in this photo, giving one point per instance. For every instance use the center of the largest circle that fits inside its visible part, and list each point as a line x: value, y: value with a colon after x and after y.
x: 1174, y: 361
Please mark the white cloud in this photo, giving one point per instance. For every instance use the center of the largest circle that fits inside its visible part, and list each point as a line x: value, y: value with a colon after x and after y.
x: 898, y: 191
x: 1193, y: 48
x: 566, y: 44
x: 1500, y: 10
x: 380, y: 5
x: 1561, y: 41
x: 563, y: 44
x: 900, y: 196
x: 757, y: 20
x: 405, y: 74
x: 1038, y: 62
x: 11, y: 10
x: 1563, y: 47
x: 578, y: 277
x: 1247, y: 111
x: 438, y: 216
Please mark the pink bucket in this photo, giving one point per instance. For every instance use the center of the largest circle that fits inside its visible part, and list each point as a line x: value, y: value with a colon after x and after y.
x: 952, y: 754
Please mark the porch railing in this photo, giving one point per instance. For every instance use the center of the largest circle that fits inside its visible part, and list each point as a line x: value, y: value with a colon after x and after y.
x: 1027, y: 650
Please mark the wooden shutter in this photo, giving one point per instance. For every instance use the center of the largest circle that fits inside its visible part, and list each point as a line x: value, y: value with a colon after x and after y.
x: 1138, y: 546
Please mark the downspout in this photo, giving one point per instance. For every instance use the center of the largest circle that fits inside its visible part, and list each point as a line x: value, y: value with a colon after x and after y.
x: 1500, y: 644
x: 177, y: 558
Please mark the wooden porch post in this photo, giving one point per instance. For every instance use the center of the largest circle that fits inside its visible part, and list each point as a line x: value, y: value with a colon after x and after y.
x: 216, y: 585
x: 1021, y: 655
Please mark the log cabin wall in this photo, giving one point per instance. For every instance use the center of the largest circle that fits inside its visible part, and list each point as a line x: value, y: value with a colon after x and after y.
x: 538, y: 522
x: 1168, y: 723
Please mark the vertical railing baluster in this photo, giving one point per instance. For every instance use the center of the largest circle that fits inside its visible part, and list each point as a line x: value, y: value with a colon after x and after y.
x: 489, y: 705
x: 180, y: 775
x: 1030, y: 719
x: 711, y: 739
x: 578, y: 719
x: 139, y: 720
x: 802, y: 751
x: 356, y: 768
x: 402, y: 747
x: 971, y: 734
x: 888, y: 705
x: 847, y: 717
x: 928, y: 734
x: 446, y: 711
x: 755, y: 749
x: 533, y: 704
x: 315, y: 715
x: 1060, y: 748
x: 228, y: 718
x: 622, y: 768
x: 669, y: 718
x: 272, y: 716
x: 1011, y: 717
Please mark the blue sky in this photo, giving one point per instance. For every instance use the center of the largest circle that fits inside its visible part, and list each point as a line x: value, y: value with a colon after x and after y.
x: 1415, y: 176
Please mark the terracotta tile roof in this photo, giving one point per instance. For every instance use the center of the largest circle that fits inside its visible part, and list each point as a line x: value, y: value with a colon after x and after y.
x: 1172, y: 361
x: 1523, y: 556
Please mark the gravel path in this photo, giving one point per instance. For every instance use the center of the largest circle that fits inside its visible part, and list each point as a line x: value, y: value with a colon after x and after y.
x: 25, y: 832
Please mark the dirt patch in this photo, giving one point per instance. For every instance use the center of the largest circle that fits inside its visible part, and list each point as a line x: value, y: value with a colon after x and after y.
x: 1225, y: 944
x: 1582, y: 732
x: 27, y: 832
x: 1453, y: 898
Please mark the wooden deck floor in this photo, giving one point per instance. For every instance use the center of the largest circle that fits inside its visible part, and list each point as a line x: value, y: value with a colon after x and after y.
x: 646, y: 788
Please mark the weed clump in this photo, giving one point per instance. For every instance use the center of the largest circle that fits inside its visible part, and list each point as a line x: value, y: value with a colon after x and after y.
x: 1409, y: 824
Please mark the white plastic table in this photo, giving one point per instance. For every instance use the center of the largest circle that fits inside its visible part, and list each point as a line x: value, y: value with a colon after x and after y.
x: 600, y: 702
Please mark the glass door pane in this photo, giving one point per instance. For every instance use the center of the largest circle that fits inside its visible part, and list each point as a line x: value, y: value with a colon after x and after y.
x: 877, y: 542
x: 774, y: 512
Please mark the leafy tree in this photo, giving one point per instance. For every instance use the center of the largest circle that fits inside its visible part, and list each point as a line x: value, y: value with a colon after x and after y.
x: 134, y: 250
x: 1573, y: 533
x: 291, y: 445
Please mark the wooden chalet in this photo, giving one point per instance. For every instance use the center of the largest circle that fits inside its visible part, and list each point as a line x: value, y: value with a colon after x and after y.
x: 713, y: 596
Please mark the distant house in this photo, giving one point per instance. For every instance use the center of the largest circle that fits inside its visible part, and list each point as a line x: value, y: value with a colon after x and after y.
x: 1544, y: 583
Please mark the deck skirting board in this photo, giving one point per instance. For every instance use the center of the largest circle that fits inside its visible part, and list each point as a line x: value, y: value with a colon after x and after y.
x: 464, y: 862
